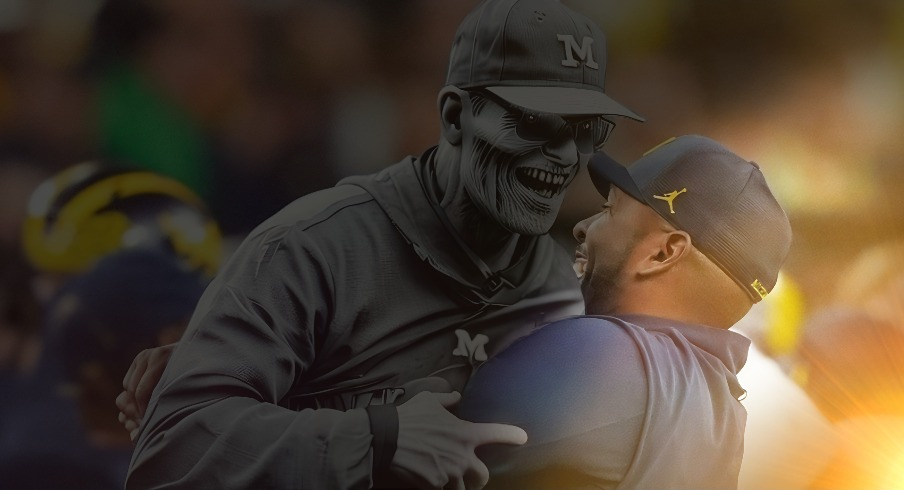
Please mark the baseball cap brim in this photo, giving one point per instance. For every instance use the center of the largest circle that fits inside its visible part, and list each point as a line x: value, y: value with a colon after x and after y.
x: 605, y: 172
x: 563, y: 101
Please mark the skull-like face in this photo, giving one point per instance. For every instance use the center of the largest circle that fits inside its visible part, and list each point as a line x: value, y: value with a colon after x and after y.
x: 516, y: 165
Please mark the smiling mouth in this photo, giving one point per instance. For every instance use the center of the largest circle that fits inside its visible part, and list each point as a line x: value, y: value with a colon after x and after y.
x: 543, y: 183
x: 580, y: 264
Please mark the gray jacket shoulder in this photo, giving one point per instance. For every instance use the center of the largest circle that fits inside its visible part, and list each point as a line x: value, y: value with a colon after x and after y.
x: 316, y: 207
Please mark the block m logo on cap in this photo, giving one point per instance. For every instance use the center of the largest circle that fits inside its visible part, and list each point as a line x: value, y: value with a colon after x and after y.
x: 584, y: 51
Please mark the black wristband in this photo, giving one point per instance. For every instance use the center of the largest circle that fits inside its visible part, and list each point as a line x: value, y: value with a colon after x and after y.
x: 384, y: 425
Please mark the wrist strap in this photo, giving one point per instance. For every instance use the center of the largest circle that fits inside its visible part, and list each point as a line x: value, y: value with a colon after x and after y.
x: 384, y: 425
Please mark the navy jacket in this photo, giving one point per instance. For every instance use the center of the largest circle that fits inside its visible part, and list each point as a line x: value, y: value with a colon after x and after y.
x: 634, y: 402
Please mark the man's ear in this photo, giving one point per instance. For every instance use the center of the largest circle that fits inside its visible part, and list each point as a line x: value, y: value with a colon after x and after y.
x: 670, y: 249
x: 450, y: 108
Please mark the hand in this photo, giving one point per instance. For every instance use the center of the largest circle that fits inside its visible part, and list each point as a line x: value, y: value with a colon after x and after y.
x: 435, y: 449
x: 433, y: 384
x: 139, y: 383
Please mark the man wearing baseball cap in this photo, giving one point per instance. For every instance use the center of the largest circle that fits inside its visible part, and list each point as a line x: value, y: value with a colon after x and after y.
x: 304, y: 360
x: 642, y: 391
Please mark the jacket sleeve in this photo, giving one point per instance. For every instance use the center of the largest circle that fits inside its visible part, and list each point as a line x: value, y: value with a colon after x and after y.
x: 214, y: 422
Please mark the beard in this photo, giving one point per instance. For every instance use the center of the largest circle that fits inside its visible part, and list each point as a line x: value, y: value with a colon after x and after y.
x: 495, y: 190
x: 601, y: 286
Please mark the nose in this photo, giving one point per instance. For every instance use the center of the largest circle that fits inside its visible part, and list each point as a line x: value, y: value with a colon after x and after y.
x: 580, y: 230
x: 562, y: 149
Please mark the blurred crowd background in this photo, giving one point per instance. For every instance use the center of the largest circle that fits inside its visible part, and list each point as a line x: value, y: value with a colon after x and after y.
x: 252, y: 103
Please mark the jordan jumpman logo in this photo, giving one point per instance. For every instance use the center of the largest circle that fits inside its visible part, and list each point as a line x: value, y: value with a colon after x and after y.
x: 670, y: 197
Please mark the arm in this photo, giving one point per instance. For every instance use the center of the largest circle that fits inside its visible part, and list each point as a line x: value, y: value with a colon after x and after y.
x: 214, y: 421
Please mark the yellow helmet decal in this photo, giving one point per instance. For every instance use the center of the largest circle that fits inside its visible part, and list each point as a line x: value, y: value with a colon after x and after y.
x: 68, y: 233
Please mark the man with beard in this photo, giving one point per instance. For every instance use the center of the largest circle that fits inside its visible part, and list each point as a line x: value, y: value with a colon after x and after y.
x: 642, y: 392
x: 327, y: 351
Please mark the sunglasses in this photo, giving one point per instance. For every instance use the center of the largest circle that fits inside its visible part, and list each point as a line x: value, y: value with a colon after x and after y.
x: 590, y: 132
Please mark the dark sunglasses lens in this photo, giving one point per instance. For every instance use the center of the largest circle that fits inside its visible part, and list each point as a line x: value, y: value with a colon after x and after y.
x: 589, y: 134
x: 598, y: 133
x: 539, y: 127
x: 606, y: 131
x: 585, y: 135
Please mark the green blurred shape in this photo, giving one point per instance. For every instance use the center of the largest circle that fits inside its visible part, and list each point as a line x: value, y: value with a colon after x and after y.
x: 143, y: 128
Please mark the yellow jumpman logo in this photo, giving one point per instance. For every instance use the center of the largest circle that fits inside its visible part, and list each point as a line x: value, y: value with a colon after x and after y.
x: 671, y: 197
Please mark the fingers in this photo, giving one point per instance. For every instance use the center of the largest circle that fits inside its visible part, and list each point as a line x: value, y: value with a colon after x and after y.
x: 447, y: 400
x: 478, y: 475
x: 131, y: 425
x: 498, y: 434
x: 124, y: 402
x: 127, y: 379
x: 145, y: 388
x: 475, y: 476
x: 128, y: 409
x: 130, y: 421
x: 436, y: 449
x: 458, y: 485
x: 149, y: 367
x: 432, y: 384
x: 136, y: 371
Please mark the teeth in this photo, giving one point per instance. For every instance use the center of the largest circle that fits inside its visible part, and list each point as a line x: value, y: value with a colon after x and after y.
x: 579, y: 266
x: 546, y: 178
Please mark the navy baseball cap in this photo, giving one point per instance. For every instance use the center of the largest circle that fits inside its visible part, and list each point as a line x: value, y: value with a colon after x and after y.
x: 535, y: 54
x: 720, y: 199
x: 120, y: 307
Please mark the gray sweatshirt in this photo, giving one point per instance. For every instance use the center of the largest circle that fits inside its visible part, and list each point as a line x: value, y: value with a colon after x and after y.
x: 327, y: 307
